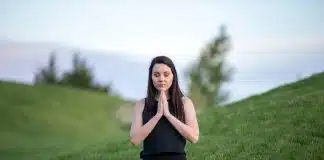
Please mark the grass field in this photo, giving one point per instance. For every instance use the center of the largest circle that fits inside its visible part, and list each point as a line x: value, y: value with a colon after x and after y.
x: 38, y: 122
x: 284, y: 123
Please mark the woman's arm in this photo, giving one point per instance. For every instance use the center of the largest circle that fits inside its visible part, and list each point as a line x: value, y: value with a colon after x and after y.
x: 190, y: 130
x: 138, y: 131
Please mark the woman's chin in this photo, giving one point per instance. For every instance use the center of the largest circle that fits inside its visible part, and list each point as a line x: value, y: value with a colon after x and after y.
x: 160, y: 88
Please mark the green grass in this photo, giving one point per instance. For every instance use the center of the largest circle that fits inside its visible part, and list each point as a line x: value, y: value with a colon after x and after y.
x: 38, y: 122
x: 284, y: 123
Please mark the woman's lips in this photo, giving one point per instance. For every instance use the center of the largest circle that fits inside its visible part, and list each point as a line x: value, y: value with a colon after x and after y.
x: 161, y: 85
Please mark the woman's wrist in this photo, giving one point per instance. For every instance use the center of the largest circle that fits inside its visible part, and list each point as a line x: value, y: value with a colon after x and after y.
x: 158, y: 115
x: 169, y: 115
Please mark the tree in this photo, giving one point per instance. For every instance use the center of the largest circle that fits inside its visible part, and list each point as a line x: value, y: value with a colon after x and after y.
x: 48, y: 75
x: 207, y: 75
x: 80, y: 76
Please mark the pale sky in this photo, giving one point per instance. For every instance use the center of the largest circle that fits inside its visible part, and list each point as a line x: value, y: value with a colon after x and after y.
x: 261, y: 31
x: 150, y: 27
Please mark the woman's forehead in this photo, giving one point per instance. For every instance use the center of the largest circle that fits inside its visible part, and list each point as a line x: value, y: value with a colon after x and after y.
x: 161, y: 68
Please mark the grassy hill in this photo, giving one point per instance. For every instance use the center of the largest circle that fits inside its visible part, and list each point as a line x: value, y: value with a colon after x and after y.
x: 47, y: 122
x: 284, y: 123
x: 41, y: 121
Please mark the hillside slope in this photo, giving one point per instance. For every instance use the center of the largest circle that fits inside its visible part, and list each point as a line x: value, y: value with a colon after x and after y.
x: 284, y: 123
x: 40, y: 121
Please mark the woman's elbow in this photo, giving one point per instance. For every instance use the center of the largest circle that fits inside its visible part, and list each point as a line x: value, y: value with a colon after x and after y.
x: 134, y: 141
x: 194, y: 139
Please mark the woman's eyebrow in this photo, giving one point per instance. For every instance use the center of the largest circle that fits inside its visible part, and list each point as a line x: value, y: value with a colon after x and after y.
x: 162, y: 71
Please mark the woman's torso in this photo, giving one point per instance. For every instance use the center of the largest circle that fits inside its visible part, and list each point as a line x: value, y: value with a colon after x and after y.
x: 164, y: 138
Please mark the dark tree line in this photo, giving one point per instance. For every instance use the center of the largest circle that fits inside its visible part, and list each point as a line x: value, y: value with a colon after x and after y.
x: 80, y: 76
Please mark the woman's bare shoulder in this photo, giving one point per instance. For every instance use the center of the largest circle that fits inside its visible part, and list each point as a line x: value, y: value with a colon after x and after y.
x: 186, y: 99
x: 139, y: 104
x: 187, y: 102
x: 140, y: 101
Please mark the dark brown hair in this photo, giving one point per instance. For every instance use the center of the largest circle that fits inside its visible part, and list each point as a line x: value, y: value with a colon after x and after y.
x: 174, y: 91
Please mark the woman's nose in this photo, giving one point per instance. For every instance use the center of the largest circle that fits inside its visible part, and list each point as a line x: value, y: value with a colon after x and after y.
x: 161, y: 78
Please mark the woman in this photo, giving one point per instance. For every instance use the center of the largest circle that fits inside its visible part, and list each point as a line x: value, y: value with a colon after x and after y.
x: 165, y: 119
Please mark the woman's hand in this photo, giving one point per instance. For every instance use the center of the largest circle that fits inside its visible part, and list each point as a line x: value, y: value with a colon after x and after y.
x: 160, y: 108
x: 166, y: 111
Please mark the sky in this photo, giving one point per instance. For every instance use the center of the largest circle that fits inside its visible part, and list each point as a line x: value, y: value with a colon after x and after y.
x: 290, y: 31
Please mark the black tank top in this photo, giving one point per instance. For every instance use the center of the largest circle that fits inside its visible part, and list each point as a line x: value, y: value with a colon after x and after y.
x: 164, y: 138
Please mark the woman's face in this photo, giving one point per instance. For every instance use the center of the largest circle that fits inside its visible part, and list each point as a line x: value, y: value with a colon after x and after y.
x: 162, y: 76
